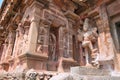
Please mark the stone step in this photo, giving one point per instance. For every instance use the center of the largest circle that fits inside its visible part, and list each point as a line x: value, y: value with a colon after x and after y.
x: 71, y: 76
x: 89, y: 71
x: 98, y: 78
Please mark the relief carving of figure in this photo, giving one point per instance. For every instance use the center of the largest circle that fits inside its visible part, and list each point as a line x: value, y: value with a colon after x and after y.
x: 9, y: 49
x: 90, y: 35
x: 25, y: 38
x: 40, y: 42
x: 20, y: 30
x: 80, y: 35
x: 20, y: 34
x: 26, y: 25
x: 41, y: 39
x: 52, y: 47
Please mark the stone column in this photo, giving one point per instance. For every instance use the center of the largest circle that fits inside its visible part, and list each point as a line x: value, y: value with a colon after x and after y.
x: 32, y: 36
x: 70, y: 37
x: 61, y: 29
x: 31, y: 58
x: 35, y: 23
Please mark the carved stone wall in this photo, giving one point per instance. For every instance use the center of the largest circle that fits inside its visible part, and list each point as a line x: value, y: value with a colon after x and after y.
x: 54, y: 37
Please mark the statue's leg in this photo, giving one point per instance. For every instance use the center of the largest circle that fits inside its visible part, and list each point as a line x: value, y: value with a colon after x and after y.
x: 87, y: 57
x: 90, y: 45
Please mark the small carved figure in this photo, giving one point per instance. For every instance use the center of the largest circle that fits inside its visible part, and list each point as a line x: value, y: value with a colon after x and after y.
x: 41, y: 39
x: 41, y: 43
x: 25, y: 39
x: 20, y: 30
x: 80, y: 35
x: 9, y: 49
x: 20, y: 33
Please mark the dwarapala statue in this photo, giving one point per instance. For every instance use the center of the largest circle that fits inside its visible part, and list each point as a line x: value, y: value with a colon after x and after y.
x: 90, y: 36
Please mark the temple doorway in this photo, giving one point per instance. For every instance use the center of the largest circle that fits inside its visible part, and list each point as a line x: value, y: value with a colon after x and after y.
x: 118, y: 31
x: 53, y: 44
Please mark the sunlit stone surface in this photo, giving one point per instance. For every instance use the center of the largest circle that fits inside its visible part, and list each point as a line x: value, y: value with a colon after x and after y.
x: 60, y: 40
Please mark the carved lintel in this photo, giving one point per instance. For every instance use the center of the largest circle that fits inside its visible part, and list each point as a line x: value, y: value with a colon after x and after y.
x: 71, y: 15
x: 45, y: 22
x: 94, y: 12
x: 57, y: 23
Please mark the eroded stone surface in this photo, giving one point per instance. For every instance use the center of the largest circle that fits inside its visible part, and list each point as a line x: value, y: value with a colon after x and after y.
x: 54, y: 35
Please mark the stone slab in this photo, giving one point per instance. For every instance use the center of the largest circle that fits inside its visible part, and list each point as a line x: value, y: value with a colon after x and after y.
x: 89, y: 71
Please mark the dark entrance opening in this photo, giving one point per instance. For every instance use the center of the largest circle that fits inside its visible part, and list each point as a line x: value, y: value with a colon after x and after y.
x: 117, y: 24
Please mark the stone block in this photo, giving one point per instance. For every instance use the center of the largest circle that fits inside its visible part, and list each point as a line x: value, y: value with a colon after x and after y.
x: 89, y: 71
x: 66, y: 63
x: 35, y: 61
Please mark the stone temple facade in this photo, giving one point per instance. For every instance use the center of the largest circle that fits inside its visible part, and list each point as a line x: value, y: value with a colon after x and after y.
x: 42, y: 38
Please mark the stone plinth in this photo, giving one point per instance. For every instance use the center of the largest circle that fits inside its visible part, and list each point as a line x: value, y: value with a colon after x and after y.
x: 65, y: 64
x: 90, y: 71
x: 52, y: 65
x: 33, y: 61
x: 72, y: 76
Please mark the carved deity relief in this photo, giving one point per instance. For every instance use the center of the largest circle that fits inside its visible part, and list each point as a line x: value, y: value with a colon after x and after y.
x: 52, y: 46
x: 25, y: 38
x: 20, y: 37
x: 80, y: 35
x: 26, y: 27
x: 41, y: 39
x: 19, y: 40
x: 9, y: 49
x: 89, y: 37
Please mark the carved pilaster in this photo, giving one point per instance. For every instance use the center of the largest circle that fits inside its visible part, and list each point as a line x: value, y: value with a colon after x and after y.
x: 72, y: 17
x: 43, y: 37
x: 33, y: 32
x: 106, y: 53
